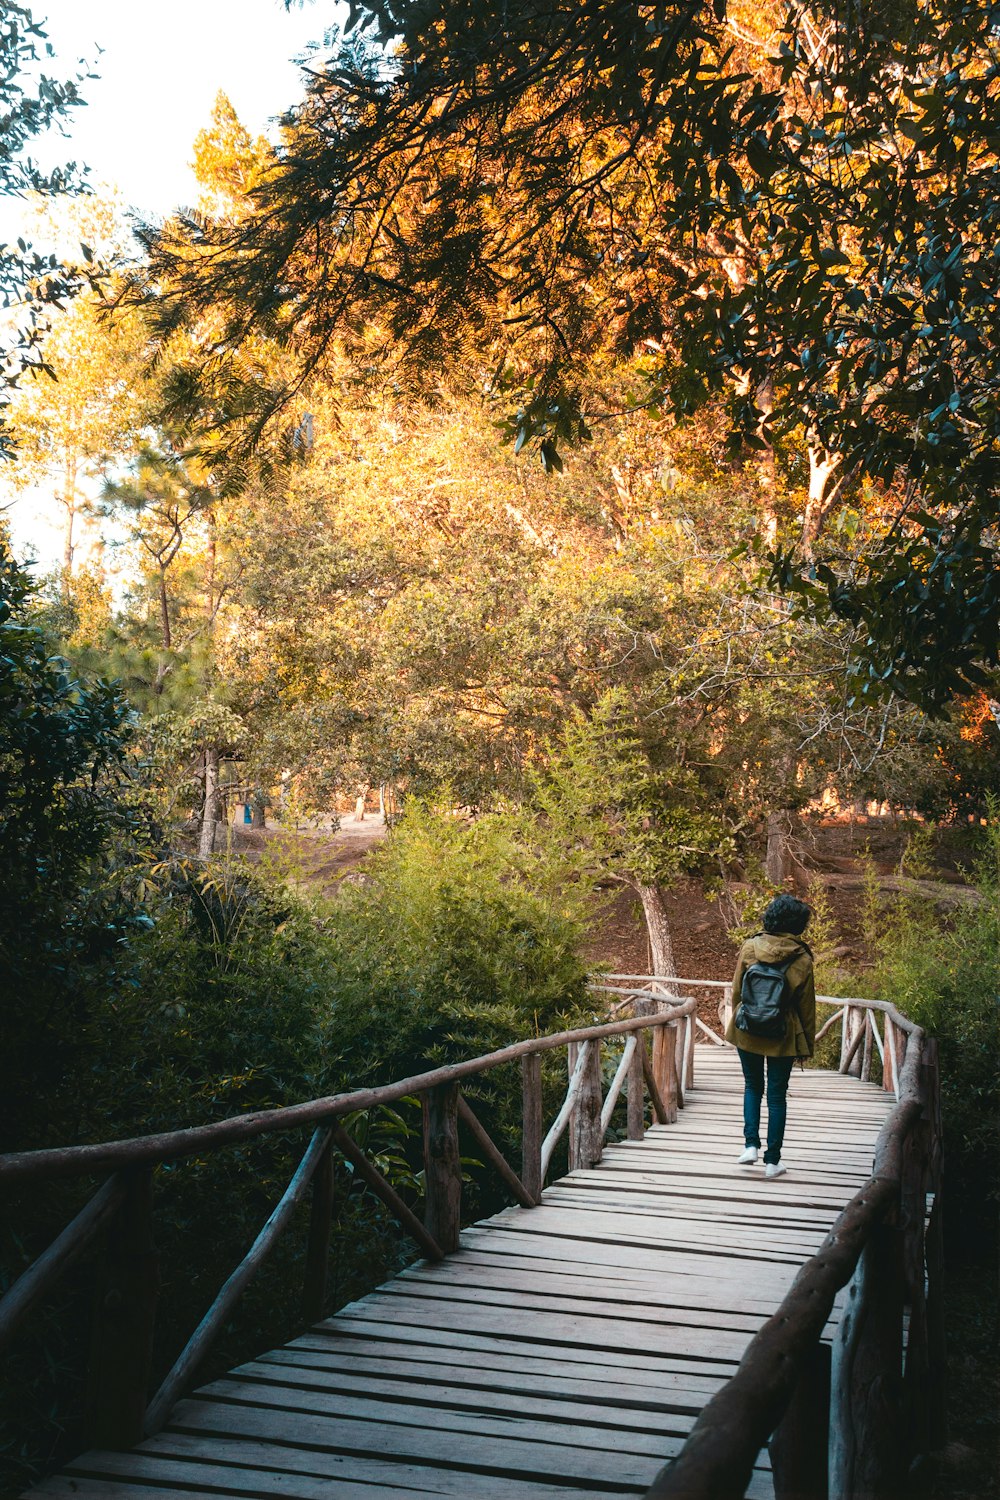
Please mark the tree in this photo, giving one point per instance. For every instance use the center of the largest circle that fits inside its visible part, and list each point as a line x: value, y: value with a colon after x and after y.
x: 65, y: 808
x: 81, y: 409
x: 30, y: 282
x: 529, y: 188
x: 623, y: 802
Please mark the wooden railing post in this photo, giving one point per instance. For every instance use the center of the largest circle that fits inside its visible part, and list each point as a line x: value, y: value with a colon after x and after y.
x: 129, y: 1282
x: 866, y: 1055
x: 531, y: 1127
x: 937, y: 1350
x: 888, y: 1054
x: 799, y: 1444
x: 689, y: 1052
x: 442, y: 1165
x: 635, y: 1103
x: 866, y: 1449
x: 318, y: 1248
x: 585, y: 1144
x: 665, y: 1067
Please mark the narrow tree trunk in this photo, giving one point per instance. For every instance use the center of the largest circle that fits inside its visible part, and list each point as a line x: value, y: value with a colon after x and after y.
x: 661, y: 947
x: 359, y: 806
x: 210, y: 571
x: 166, y: 638
x: 258, y: 811
x: 69, y: 504
x: 766, y: 466
x: 210, y: 811
x: 777, y: 863
x: 822, y: 490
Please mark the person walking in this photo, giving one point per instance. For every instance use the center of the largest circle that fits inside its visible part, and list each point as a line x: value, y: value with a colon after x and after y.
x: 773, y: 1022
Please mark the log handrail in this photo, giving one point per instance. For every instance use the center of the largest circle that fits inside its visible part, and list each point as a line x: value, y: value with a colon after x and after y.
x: 717, y: 1460
x: 122, y: 1422
x: 83, y: 1161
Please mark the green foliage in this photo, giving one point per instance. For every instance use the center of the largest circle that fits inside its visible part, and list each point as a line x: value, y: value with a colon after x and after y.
x: 238, y: 996
x: 71, y: 839
x: 824, y: 287
x: 946, y: 976
x: 30, y: 103
x: 623, y: 805
x: 447, y: 948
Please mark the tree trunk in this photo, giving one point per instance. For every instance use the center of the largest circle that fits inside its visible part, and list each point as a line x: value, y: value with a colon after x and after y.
x: 210, y: 811
x: 210, y: 571
x: 166, y: 639
x: 359, y: 806
x: 766, y: 467
x: 661, y: 948
x: 69, y: 504
x: 822, y: 493
x: 258, y: 811
x: 777, y: 863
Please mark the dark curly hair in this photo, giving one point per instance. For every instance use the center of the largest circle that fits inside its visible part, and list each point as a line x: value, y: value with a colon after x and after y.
x: 787, y: 914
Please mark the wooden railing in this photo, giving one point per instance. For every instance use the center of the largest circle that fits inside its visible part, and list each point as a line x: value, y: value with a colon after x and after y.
x: 843, y: 1421
x: 119, y: 1216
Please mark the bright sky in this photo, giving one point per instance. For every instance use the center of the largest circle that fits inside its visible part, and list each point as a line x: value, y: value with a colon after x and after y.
x: 160, y: 68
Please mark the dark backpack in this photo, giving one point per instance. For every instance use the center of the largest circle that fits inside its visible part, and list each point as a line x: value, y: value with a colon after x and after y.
x: 764, y: 997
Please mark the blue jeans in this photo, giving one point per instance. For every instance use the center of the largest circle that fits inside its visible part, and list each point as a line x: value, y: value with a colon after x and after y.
x: 779, y: 1070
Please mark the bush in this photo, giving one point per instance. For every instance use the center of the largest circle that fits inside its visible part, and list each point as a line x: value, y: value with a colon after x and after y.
x: 945, y: 975
x: 239, y: 996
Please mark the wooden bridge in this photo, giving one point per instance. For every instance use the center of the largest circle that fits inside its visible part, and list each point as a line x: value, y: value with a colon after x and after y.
x: 658, y: 1322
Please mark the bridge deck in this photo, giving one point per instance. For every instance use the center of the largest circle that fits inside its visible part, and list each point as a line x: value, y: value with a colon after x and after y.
x: 563, y: 1351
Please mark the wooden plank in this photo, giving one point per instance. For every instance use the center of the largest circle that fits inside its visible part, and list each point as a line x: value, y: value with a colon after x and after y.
x: 614, y: 1360
x: 497, y: 1372
x: 593, y: 1306
x: 571, y: 1329
x: 144, y: 1474
x: 524, y: 1452
x: 346, y: 1393
x: 339, y: 1475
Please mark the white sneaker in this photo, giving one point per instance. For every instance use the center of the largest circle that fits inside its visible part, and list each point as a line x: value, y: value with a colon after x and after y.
x: 775, y: 1169
x: 749, y: 1157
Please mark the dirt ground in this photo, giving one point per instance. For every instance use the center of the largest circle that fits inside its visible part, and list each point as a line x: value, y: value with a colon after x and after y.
x: 314, y: 856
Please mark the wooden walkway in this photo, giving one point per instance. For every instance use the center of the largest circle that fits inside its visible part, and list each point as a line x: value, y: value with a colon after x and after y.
x: 564, y: 1351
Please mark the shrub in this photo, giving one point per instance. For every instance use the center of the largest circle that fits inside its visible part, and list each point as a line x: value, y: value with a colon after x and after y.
x: 945, y: 974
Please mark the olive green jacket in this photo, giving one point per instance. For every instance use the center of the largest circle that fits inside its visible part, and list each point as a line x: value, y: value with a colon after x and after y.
x: 800, y: 1034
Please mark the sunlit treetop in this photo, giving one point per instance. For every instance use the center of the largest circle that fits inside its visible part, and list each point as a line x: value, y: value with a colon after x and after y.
x: 797, y: 209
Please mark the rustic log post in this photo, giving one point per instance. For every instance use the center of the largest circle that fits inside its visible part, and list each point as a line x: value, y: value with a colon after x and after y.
x: 866, y: 1057
x: 860, y: 1036
x: 318, y: 1247
x: 799, y: 1444
x: 123, y: 1326
x: 845, y: 1036
x: 442, y: 1165
x: 689, y: 1051
x: 866, y: 1450
x: 888, y: 1054
x: 585, y: 1143
x: 670, y: 1076
x: 665, y: 1067
x: 531, y: 1124
x: 937, y: 1347
x: 679, y: 1061
x: 635, y: 1102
